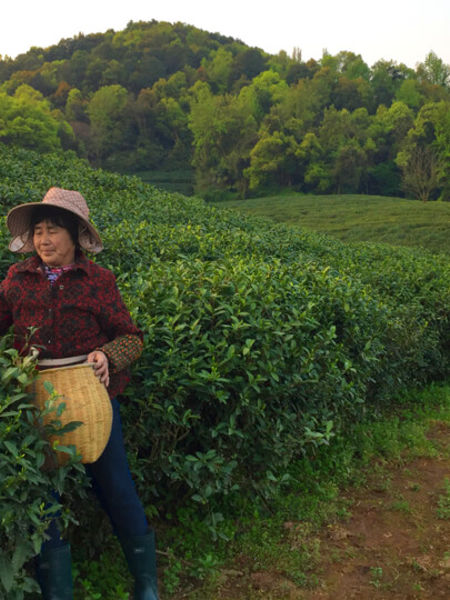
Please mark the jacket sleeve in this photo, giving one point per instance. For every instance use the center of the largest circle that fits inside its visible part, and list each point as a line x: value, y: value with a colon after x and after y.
x: 122, y: 351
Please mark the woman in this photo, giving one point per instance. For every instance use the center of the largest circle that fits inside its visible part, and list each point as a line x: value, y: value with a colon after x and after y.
x: 78, y: 313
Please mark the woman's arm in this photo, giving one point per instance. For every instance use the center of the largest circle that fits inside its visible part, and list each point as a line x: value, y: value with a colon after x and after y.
x: 122, y: 351
x: 115, y: 356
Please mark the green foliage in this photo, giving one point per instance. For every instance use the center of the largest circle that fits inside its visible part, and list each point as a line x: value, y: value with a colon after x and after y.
x: 223, y: 130
x: 285, y: 532
x: 262, y: 341
x: 108, y: 119
x: 133, y: 103
x: 104, y: 578
x: 425, y: 152
x: 443, y: 510
x: 232, y: 377
x: 27, y: 120
x: 26, y: 488
x: 434, y: 70
x: 357, y: 218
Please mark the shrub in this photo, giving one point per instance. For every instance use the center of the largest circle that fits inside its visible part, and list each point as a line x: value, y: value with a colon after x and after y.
x: 27, y: 503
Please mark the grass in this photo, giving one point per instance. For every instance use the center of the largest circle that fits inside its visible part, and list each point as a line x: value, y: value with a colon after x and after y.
x: 376, y: 576
x: 358, y: 218
x: 443, y: 510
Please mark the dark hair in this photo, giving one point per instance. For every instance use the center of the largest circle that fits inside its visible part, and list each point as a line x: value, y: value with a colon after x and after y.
x: 56, y: 216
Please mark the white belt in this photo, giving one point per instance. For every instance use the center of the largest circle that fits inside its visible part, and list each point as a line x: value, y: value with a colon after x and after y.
x: 61, y: 362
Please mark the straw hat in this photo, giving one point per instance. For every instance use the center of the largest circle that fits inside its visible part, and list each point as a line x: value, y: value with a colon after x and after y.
x: 19, y: 218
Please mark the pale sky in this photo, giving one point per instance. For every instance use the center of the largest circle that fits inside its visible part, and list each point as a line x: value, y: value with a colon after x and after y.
x: 400, y: 30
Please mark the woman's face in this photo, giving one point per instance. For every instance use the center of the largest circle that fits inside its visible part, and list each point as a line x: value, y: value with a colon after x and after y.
x: 53, y: 244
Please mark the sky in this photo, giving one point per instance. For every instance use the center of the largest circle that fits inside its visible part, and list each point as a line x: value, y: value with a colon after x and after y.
x: 404, y: 31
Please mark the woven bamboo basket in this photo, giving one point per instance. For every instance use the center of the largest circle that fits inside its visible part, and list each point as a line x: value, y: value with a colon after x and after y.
x: 86, y: 400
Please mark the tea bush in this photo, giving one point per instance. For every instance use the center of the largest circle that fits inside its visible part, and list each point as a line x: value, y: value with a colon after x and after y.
x: 240, y: 357
x: 261, y: 340
x: 26, y: 489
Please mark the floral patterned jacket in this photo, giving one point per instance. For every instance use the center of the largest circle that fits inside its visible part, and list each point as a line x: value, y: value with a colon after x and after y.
x: 81, y: 312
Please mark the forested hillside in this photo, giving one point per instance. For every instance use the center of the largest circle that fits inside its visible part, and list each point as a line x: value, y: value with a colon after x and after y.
x: 161, y: 97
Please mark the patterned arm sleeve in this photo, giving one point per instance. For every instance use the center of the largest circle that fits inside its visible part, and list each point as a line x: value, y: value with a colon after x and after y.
x: 122, y: 351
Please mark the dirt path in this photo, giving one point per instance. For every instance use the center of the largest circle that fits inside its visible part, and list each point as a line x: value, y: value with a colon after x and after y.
x: 394, y: 546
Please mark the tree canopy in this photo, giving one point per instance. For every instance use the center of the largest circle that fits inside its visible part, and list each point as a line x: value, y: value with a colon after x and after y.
x: 162, y: 96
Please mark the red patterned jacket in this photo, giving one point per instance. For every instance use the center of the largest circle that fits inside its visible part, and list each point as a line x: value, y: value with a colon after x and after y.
x: 81, y: 312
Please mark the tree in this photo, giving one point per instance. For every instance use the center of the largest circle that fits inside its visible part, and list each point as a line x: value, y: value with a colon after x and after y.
x: 272, y: 161
x: 351, y: 93
x: 323, y: 85
x: 94, y: 73
x: 346, y: 63
x: 442, y: 144
x: 427, y: 145
x: 265, y: 90
x: 224, y: 131
x: 348, y: 167
x: 17, y: 79
x: 146, y: 72
x: 6, y: 67
x: 343, y: 137
x: 421, y: 172
x: 172, y: 130
x: 249, y: 62
x: 282, y: 63
x: 311, y: 168
x: 109, y: 120
x: 60, y: 96
x: 434, y: 70
x: 76, y: 106
x: 27, y: 120
x: 74, y: 70
x: 410, y: 94
x: 399, y: 119
x: 176, y: 86
x: 300, y: 102
x: 218, y: 68
x: 150, y: 152
x: 115, y: 72
x: 387, y: 77
x: 334, y: 129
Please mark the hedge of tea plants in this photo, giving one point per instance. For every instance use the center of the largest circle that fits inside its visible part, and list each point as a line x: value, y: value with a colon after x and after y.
x: 261, y: 341
x: 27, y: 484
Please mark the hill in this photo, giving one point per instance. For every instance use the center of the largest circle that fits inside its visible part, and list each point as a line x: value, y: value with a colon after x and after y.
x: 173, y: 99
x: 358, y: 218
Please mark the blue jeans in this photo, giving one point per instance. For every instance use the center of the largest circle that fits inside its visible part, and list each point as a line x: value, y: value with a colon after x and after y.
x: 114, y: 487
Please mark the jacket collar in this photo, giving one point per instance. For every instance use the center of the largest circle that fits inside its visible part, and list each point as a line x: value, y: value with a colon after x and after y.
x: 33, y: 264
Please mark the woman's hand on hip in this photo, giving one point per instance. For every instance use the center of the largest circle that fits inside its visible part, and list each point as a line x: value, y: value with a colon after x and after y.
x: 101, y: 367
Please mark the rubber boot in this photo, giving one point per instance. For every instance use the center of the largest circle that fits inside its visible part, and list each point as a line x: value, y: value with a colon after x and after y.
x: 140, y: 553
x: 54, y: 573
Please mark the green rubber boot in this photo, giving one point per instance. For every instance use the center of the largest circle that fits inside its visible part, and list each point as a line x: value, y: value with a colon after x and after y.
x: 54, y: 573
x: 140, y: 553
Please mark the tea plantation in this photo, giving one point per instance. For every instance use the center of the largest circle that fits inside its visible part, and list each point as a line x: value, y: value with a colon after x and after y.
x: 261, y: 343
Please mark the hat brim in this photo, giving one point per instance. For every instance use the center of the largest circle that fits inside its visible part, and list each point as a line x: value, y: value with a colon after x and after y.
x: 18, y: 221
